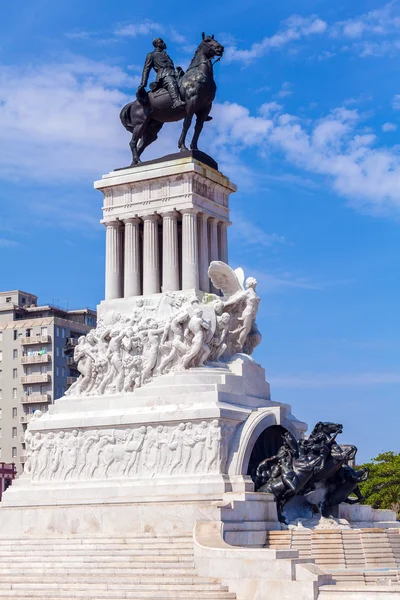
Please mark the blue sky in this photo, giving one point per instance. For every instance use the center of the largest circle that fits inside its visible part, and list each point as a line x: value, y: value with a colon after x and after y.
x: 307, y: 123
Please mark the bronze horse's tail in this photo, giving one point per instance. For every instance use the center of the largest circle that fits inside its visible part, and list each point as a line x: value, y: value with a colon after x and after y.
x: 125, y: 116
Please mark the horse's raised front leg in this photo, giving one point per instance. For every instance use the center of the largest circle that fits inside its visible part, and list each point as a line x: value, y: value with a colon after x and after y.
x: 186, y: 124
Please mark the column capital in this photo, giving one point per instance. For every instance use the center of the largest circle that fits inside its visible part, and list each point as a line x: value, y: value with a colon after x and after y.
x: 213, y: 219
x: 169, y: 213
x: 192, y: 210
x: 113, y: 223
x: 154, y: 217
x: 224, y: 224
x: 133, y: 220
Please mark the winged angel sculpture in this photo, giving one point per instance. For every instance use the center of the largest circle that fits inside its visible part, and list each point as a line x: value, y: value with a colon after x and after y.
x: 126, y: 351
x: 241, y: 301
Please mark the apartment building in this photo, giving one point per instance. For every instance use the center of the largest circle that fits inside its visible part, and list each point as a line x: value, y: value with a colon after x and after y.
x: 36, y: 363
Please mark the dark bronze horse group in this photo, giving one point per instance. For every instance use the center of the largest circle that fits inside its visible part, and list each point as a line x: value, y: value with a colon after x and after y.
x: 145, y: 116
x: 299, y: 468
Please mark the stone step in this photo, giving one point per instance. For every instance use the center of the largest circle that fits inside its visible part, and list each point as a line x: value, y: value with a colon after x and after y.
x: 119, y: 594
x: 130, y: 579
x: 83, y: 570
x: 98, y: 554
x: 75, y: 566
x: 105, y: 586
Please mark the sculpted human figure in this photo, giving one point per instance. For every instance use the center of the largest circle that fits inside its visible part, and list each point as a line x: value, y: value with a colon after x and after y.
x: 134, y: 445
x: 250, y: 301
x: 56, y: 461
x: 104, y: 441
x: 28, y: 463
x: 132, y: 367
x: 115, y: 375
x: 200, y: 438
x: 153, y: 333
x: 188, y: 444
x: 36, y: 445
x: 72, y: 444
x: 218, y: 342
x: 165, y: 70
x: 178, y: 347
x: 85, y: 357
x: 44, y: 456
x: 176, y: 444
x: 150, y: 449
x: 162, y: 446
x: 196, y: 330
x: 213, y: 445
x: 89, y: 454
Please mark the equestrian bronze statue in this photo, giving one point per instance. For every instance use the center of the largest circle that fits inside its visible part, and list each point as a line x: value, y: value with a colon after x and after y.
x: 315, y: 468
x: 174, y: 96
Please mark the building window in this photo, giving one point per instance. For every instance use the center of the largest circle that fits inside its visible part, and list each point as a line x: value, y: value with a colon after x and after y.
x: 57, y: 351
x: 43, y: 331
x: 1, y: 354
x: 1, y: 394
x: 14, y: 452
x: 1, y: 375
x: 23, y: 300
x: 14, y: 432
x: 1, y: 336
x: 15, y: 332
x: 57, y: 331
x: 63, y: 332
x: 28, y: 333
x: 8, y: 299
x: 90, y: 320
x: 14, y: 393
x: 15, y: 373
x: 15, y: 353
x: 0, y: 433
x: 14, y: 412
x: 1, y: 412
x: 57, y: 371
x: 62, y: 372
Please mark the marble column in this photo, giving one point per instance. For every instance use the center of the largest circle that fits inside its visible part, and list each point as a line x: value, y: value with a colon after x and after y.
x: 151, y: 259
x: 190, y: 261
x: 203, y: 253
x: 223, y: 241
x: 132, y: 258
x: 213, y: 237
x: 114, y: 260
x: 170, y: 271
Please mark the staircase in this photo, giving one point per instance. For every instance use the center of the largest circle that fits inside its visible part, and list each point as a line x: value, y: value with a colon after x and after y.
x: 354, y: 557
x: 96, y: 568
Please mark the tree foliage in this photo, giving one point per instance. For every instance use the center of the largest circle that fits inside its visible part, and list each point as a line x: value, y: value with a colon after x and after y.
x: 382, y: 488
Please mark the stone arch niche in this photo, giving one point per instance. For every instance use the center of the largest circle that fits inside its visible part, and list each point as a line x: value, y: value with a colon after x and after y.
x: 261, y: 432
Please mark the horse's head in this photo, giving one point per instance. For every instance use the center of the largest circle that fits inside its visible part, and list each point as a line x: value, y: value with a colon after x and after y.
x: 211, y: 47
x: 327, y: 428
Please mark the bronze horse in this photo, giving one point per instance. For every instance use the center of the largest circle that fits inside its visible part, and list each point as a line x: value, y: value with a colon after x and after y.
x: 145, y: 116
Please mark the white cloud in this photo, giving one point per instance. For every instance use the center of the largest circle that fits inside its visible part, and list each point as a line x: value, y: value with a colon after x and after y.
x: 4, y: 243
x: 293, y: 29
x: 389, y: 127
x: 286, y: 90
x: 318, y: 380
x: 375, y: 22
x: 396, y: 102
x: 142, y: 28
x: 251, y: 235
x: 61, y: 120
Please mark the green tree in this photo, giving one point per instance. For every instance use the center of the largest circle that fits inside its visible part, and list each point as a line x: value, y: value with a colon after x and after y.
x: 382, y: 488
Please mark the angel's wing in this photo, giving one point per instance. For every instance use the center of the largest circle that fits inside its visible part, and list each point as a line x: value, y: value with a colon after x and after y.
x: 240, y: 275
x: 224, y: 278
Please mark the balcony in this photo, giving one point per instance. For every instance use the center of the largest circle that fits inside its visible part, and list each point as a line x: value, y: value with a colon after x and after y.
x: 71, y: 380
x: 30, y: 360
x: 40, y: 378
x: 35, y: 398
x: 36, y: 339
x: 23, y: 458
x: 72, y: 342
x: 71, y: 362
x: 24, y: 419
